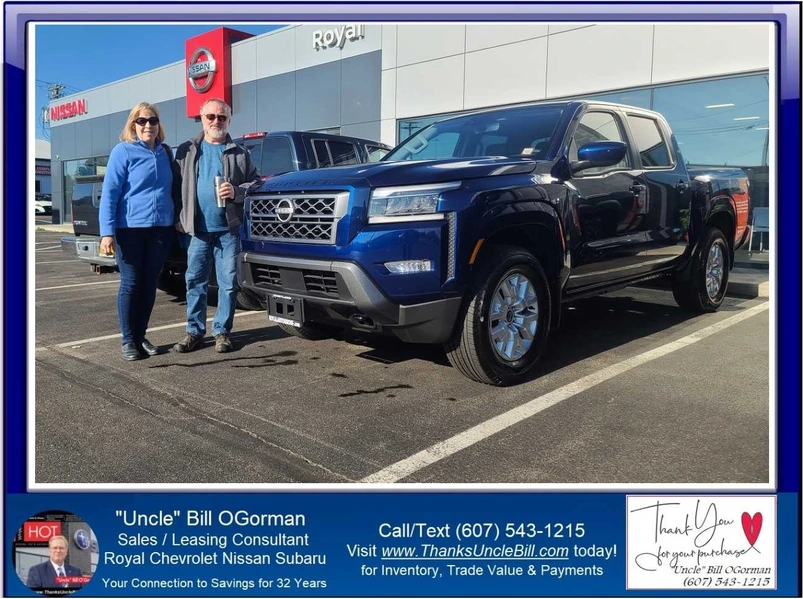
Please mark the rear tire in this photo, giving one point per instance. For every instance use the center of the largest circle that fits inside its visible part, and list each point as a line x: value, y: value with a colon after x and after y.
x: 311, y: 331
x: 707, y: 283
x: 504, y: 324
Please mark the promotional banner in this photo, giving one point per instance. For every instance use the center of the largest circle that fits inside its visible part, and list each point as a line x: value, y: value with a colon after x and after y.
x: 426, y: 544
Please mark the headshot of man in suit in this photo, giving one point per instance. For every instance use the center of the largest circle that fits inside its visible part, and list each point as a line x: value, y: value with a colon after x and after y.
x: 43, y: 576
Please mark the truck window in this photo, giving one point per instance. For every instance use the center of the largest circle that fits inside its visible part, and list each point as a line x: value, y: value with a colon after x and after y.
x: 375, y: 153
x: 255, y: 149
x: 652, y: 145
x: 83, y: 192
x: 442, y: 145
x: 343, y: 152
x: 277, y: 156
x: 597, y: 126
x: 524, y: 131
x: 322, y: 156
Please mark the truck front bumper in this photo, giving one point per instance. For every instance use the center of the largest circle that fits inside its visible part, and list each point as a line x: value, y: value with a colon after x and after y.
x: 342, y: 293
x: 85, y: 247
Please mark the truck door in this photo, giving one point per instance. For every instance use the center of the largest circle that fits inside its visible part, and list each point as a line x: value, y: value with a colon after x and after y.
x: 667, y: 211
x: 609, y: 241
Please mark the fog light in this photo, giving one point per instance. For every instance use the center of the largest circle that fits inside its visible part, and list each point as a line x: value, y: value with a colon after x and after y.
x: 406, y: 267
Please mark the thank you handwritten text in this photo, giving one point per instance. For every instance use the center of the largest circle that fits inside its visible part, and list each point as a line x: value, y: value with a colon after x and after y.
x: 682, y: 542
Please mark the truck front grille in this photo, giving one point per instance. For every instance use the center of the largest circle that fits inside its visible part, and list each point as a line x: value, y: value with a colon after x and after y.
x: 316, y: 282
x: 321, y: 282
x: 301, y: 218
x: 266, y: 275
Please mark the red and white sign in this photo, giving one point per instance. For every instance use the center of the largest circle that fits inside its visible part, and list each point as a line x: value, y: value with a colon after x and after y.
x: 68, y: 110
x: 42, y: 169
x: 207, y: 59
x: 40, y: 532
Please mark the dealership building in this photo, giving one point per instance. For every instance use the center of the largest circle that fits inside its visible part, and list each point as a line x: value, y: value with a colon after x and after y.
x: 386, y: 81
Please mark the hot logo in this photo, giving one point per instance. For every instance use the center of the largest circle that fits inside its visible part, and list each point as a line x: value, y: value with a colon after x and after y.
x: 40, y: 532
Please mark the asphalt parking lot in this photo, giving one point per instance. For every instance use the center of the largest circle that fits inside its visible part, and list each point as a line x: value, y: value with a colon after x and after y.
x: 632, y: 390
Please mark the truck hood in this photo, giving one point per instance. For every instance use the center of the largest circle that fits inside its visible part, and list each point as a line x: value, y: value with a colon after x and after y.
x: 384, y: 174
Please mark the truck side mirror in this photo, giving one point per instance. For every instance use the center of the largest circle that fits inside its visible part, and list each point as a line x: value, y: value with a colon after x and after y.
x: 599, y: 153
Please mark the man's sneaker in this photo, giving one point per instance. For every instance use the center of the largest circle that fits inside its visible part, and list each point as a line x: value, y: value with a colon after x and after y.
x: 189, y: 343
x: 223, y: 343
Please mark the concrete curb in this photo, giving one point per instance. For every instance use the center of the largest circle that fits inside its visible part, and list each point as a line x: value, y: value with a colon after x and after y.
x: 64, y: 228
x: 749, y: 283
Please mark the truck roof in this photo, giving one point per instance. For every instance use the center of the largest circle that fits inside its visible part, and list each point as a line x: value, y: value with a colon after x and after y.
x: 559, y: 103
x: 266, y: 134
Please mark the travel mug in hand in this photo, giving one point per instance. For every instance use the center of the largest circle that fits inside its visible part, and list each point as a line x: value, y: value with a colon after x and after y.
x: 221, y: 203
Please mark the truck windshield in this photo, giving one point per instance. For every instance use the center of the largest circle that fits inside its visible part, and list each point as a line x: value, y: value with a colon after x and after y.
x: 525, y: 131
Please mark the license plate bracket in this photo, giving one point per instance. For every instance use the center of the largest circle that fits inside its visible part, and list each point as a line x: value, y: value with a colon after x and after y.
x: 286, y: 309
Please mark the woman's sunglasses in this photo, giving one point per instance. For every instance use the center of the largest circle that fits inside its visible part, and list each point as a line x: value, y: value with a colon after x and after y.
x: 141, y: 121
x: 220, y: 117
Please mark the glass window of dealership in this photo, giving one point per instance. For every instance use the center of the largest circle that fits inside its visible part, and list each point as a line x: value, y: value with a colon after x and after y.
x: 717, y: 122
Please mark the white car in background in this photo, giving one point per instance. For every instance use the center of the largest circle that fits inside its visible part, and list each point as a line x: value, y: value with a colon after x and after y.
x: 43, y: 203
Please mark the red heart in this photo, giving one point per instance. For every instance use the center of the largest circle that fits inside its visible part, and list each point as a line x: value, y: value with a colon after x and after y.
x: 752, y: 526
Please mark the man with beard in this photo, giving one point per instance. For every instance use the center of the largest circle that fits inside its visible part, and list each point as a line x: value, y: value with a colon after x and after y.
x: 213, y: 229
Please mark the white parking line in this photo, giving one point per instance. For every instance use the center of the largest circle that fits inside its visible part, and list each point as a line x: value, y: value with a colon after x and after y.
x: 53, y: 247
x: 444, y: 449
x: 76, y: 261
x: 78, y: 285
x: 150, y: 330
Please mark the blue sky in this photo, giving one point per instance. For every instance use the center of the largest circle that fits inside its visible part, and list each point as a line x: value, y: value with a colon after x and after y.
x: 85, y: 56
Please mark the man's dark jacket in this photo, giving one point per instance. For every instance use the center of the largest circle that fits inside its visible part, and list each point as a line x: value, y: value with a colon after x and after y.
x: 43, y: 576
x: 237, y: 168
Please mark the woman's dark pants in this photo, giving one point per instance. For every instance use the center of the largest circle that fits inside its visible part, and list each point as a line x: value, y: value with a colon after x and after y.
x: 140, y: 253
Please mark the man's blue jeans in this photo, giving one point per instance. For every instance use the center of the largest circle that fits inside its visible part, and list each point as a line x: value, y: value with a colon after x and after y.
x: 140, y: 253
x: 223, y: 247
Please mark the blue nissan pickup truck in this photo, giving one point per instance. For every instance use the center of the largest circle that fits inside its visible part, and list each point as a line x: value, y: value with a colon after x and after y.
x: 475, y: 230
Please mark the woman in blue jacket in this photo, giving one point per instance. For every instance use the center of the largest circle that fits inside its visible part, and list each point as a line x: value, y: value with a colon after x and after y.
x: 137, y: 214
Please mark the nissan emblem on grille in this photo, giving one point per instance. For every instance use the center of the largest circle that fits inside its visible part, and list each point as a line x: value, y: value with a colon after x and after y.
x: 299, y: 218
x: 284, y: 210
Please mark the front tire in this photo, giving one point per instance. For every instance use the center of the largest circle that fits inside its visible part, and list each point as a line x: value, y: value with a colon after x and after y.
x: 705, y: 288
x: 246, y: 301
x: 172, y: 284
x: 505, y: 322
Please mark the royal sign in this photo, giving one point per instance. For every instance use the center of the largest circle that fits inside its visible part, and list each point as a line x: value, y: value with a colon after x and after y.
x: 337, y: 37
x: 39, y: 531
x: 68, y: 110
x: 207, y: 59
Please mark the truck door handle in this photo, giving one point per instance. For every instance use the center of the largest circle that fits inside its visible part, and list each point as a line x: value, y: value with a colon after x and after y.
x: 637, y: 189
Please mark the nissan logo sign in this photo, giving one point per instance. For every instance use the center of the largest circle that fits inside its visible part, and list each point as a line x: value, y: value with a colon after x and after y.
x: 199, y: 69
x: 284, y: 210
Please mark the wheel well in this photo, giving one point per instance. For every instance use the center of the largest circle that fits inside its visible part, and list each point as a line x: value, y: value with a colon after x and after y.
x: 534, y: 238
x: 724, y: 222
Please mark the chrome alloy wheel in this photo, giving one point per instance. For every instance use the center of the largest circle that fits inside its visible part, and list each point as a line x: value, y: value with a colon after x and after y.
x: 714, y: 271
x: 513, y: 316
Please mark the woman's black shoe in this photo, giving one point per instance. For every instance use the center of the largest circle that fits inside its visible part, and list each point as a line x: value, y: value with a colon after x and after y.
x: 149, y: 348
x: 131, y: 352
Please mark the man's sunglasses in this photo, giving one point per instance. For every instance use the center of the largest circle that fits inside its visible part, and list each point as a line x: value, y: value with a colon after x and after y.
x: 141, y: 121
x: 220, y: 117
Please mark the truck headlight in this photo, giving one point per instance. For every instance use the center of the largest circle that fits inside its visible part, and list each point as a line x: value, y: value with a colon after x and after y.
x: 411, y: 202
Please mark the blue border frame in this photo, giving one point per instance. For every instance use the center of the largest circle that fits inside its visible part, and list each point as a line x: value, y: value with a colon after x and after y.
x: 786, y: 15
